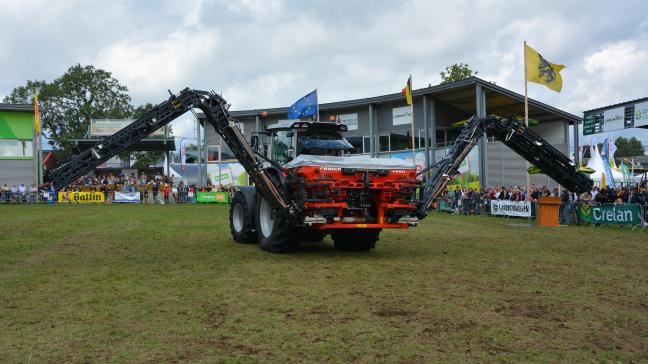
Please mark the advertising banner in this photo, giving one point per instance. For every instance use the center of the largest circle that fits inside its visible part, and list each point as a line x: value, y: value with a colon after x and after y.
x: 212, y: 197
x: 641, y: 114
x: 81, y: 197
x: 124, y: 197
x: 402, y: 115
x: 227, y: 173
x: 511, y: 208
x: 610, y: 214
x: 350, y: 120
x: 613, y: 119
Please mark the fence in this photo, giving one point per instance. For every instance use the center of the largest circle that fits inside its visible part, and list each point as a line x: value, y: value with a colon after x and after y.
x: 570, y: 213
x: 110, y: 197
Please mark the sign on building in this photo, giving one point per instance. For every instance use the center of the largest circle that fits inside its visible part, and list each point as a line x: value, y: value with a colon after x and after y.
x: 402, y: 115
x: 106, y: 127
x: 641, y: 114
x: 613, y: 119
x: 350, y: 120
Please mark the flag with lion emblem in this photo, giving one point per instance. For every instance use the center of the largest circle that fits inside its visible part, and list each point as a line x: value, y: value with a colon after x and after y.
x: 541, y: 71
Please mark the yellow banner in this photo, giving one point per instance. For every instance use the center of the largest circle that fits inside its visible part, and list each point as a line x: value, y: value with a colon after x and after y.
x: 81, y: 197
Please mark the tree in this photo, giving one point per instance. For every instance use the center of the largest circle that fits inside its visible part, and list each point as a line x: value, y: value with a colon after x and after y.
x: 456, y: 72
x: 629, y: 147
x: 25, y: 94
x: 70, y: 101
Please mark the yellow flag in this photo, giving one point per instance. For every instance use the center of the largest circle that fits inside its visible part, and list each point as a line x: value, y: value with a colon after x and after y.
x: 37, y: 127
x: 407, y: 91
x: 541, y: 71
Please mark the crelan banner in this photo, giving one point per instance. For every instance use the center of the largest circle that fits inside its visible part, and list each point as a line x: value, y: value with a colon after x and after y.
x: 81, y: 197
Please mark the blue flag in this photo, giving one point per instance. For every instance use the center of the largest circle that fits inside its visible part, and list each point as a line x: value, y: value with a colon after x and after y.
x: 306, y: 106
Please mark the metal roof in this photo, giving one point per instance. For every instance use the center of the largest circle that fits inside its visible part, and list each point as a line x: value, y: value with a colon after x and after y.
x: 146, y: 144
x: 17, y: 107
x: 617, y: 105
x: 456, y: 93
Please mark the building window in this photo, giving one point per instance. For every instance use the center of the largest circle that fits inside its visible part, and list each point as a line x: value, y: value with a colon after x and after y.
x: 383, y: 142
x: 421, y: 139
x: 357, y: 144
x: 451, y: 134
x: 16, y: 148
x: 366, y: 144
x: 400, y: 141
x: 440, y: 138
x: 25, y: 148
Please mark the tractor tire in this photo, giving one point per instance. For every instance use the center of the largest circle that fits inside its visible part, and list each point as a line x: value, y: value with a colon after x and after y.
x: 273, y: 232
x: 355, y: 240
x: 242, y: 222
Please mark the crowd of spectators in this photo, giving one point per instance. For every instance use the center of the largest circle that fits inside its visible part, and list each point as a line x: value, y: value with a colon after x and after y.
x: 154, y: 189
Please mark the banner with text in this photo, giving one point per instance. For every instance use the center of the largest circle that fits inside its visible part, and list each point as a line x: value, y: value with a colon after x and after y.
x: 511, y: 208
x: 124, y: 197
x: 213, y: 197
x: 610, y: 214
x: 81, y: 197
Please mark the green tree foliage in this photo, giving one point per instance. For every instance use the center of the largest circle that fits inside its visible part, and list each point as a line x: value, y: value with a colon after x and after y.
x: 70, y: 101
x: 25, y: 94
x: 456, y: 72
x: 629, y: 147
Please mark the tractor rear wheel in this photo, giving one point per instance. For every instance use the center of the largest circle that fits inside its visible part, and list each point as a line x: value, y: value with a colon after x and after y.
x: 242, y: 223
x: 357, y: 240
x: 274, y: 233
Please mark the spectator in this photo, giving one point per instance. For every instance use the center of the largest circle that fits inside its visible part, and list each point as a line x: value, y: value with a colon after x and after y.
x: 166, y: 192
x: 155, y: 188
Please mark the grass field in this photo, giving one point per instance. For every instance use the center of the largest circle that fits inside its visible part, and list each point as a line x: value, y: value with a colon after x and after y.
x: 167, y: 284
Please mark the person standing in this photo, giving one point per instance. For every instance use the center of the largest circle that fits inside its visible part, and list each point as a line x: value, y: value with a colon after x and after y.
x: 166, y: 191
x: 155, y: 188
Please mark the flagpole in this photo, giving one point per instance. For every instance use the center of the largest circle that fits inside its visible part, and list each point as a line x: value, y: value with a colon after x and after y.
x: 526, y: 118
x: 317, y: 105
x: 412, y: 110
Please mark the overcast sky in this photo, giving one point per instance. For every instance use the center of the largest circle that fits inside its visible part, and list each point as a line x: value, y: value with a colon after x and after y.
x: 268, y: 53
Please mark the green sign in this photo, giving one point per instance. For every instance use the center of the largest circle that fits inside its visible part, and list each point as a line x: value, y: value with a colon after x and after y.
x: 212, y: 197
x: 589, y: 124
x: 16, y: 125
x: 610, y: 214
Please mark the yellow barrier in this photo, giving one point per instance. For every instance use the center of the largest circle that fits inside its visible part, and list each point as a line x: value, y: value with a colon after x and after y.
x: 81, y: 197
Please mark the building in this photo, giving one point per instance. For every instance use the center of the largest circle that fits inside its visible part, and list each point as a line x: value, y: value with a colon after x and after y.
x: 625, y: 115
x: 17, y: 157
x: 380, y: 126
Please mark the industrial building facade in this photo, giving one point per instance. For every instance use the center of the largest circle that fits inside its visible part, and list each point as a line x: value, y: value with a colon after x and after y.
x: 381, y: 127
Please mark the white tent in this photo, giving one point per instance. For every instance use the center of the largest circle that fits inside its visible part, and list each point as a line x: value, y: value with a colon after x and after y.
x: 596, y: 163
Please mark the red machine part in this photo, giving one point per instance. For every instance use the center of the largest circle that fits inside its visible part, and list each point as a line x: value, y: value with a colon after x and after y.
x: 330, y: 188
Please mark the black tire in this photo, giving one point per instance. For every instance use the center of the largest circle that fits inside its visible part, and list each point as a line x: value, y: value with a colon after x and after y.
x: 242, y: 224
x: 273, y: 232
x: 356, y: 240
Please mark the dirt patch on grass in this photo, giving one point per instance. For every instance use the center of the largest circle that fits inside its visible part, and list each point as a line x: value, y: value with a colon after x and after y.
x: 533, y: 310
x: 393, y: 312
x: 627, y: 337
x: 195, y: 349
x: 213, y: 315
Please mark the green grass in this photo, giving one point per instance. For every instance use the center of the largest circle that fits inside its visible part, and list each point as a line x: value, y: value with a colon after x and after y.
x: 168, y: 284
